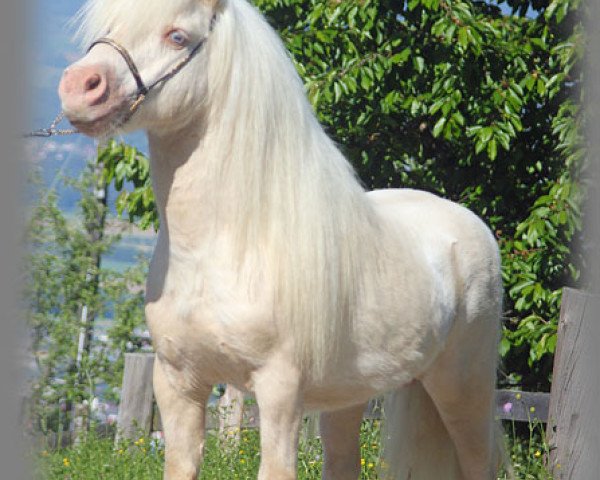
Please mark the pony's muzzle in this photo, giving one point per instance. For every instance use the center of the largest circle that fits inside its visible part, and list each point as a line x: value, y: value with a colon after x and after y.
x: 84, y: 87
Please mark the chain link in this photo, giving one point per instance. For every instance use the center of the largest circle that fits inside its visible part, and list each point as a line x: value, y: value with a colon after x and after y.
x: 52, y: 130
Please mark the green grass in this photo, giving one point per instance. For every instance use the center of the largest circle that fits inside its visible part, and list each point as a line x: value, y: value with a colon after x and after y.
x: 527, y: 451
x: 99, y: 459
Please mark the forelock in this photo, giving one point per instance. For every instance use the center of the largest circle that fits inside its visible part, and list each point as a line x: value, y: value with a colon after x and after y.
x: 135, y: 17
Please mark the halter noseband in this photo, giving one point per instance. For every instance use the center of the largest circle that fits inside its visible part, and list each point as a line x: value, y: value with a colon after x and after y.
x: 142, y: 89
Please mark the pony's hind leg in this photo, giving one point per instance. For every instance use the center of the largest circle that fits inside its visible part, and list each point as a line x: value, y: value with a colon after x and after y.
x: 183, y: 425
x: 340, y: 434
x: 461, y: 383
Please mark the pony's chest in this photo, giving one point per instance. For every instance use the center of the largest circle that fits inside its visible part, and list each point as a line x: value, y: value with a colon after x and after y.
x: 208, y: 323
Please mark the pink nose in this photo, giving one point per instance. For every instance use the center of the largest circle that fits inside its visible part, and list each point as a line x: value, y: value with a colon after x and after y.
x: 84, y: 86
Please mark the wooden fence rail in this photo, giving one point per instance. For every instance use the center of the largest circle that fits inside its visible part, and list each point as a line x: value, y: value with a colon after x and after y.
x: 136, y: 412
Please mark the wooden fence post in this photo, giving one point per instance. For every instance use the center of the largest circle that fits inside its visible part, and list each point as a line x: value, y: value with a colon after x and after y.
x: 310, y: 426
x: 81, y: 414
x: 230, y: 411
x: 137, y: 396
x: 573, y: 428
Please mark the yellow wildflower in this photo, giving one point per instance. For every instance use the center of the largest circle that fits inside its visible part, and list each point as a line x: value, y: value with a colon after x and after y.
x: 66, y: 462
x: 371, y: 465
x: 362, y: 461
x: 538, y: 454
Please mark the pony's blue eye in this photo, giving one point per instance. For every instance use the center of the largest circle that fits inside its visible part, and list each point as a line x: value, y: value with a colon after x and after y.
x: 177, y: 38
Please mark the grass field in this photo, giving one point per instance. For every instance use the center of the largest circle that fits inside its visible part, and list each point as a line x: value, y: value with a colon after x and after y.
x: 142, y: 459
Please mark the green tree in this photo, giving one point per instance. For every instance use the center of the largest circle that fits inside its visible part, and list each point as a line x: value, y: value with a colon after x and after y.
x: 129, y: 171
x: 63, y: 262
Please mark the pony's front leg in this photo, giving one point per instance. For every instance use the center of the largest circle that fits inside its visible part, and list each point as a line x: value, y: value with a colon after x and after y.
x: 183, y: 419
x: 340, y: 434
x: 277, y: 390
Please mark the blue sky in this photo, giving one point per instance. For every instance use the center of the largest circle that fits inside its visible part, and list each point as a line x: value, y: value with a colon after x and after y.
x: 51, y: 50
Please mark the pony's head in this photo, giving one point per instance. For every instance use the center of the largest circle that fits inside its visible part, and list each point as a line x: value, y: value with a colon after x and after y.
x: 144, y: 44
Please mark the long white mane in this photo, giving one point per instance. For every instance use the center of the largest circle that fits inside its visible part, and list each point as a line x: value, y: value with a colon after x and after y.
x: 297, y: 198
x: 301, y: 196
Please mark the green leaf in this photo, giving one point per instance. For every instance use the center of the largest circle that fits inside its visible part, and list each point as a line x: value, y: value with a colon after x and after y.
x: 412, y: 4
x: 463, y: 38
x: 516, y: 121
x: 551, y: 9
x: 504, y: 346
x: 479, y: 146
x: 401, y: 57
x: 504, y: 140
x: 439, y: 125
x: 415, y: 107
x: 337, y: 91
x: 541, y: 86
x: 529, y: 82
x: 458, y: 118
x: 492, y: 149
x: 419, y: 64
x: 485, y: 134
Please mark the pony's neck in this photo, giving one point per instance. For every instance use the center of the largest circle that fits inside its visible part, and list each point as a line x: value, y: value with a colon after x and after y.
x: 183, y: 185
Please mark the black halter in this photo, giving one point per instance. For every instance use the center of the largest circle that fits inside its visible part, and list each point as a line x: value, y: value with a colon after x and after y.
x: 142, y: 89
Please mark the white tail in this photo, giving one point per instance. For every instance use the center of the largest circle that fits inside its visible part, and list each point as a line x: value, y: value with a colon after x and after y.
x: 417, y: 445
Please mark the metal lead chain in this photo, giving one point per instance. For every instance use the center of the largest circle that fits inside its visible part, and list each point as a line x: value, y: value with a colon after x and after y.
x: 52, y: 130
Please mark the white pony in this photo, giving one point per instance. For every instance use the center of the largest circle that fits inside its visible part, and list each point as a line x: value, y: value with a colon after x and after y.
x: 274, y: 271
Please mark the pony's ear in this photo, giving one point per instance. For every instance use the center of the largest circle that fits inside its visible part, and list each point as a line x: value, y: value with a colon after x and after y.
x: 216, y: 6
